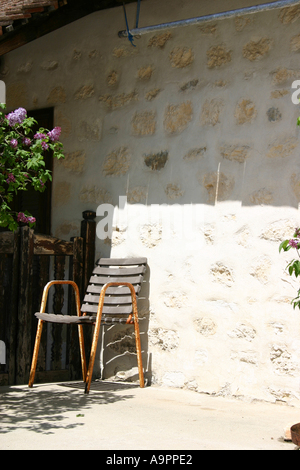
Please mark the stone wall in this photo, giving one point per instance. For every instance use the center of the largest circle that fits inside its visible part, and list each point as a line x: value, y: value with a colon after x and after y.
x: 196, y: 127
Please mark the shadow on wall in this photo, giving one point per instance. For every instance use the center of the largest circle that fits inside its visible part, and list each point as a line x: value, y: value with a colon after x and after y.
x: 116, y: 353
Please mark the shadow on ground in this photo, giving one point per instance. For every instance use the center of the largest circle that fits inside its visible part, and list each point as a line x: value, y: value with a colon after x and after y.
x: 44, y: 411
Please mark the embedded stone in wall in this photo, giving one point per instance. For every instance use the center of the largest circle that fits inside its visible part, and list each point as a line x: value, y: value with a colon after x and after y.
x: 255, y: 50
x: 218, y: 56
x: 181, y: 57
x: 118, y: 101
x: 62, y: 193
x: 242, y: 236
x: 84, y: 92
x: 87, y: 131
x: 74, y: 161
x: 166, y: 340
x: 177, y: 117
x: 211, y: 110
x: 175, y: 299
x: 282, y: 148
x: 274, y: 114
x: 156, y: 161
x: 76, y: 55
x: 191, y: 85
x: 151, y: 235
x: 118, y: 236
x: 159, y: 40
x: 173, y: 191
x: 94, y: 54
x: 243, y: 331
x: 261, y: 269
x: 295, y: 43
x: 195, y: 154
x: 208, y: 232
x: 57, y: 95
x: 67, y: 228
x: 249, y: 357
x: 208, y: 29
x: 217, y: 185
x: 279, y: 230
x: 222, y: 274
x: 241, y: 22
x: 245, y: 111
x: 151, y: 95
x: 94, y: 194
x: 112, y: 79
x: 205, y: 326
x: 289, y: 14
x: 137, y: 195
x: 279, y: 93
x: 120, y: 52
x: 201, y: 357
x: 25, y: 68
x: 283, y: 75
x: 144, y: 123
x: 145, y: 73
x: 117, y: 162
x: 237, y: 153
x: 282, y: 361
x: 49, y: 65
x: 262, y: 196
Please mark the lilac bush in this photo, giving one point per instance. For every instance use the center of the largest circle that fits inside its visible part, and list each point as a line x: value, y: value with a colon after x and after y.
x: 22, y: 161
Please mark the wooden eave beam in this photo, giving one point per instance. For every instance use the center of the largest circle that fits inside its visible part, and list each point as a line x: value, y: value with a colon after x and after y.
x: 39, y: 26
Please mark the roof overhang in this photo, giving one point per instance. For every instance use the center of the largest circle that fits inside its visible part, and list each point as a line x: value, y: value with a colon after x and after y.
x: 31, y: 19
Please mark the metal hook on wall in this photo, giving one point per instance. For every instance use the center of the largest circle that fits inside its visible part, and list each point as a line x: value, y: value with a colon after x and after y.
x: 129, y: 35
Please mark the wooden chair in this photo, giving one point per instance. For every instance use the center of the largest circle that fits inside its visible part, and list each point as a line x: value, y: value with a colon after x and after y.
x: 111, y: 298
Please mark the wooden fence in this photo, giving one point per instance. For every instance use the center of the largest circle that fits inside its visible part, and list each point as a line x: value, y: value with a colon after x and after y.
x: 28, y: 260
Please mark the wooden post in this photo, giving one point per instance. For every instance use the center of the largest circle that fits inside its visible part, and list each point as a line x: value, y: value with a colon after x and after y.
x: 13, y: 323
x: 88, y: 233
x: 25, y: 314
x: 77, y: 276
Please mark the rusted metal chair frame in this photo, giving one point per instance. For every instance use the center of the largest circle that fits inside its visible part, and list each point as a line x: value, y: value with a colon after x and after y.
x: 84, y: 319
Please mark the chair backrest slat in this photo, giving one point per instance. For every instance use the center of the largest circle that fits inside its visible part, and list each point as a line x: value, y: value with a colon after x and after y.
x: 118, y: 298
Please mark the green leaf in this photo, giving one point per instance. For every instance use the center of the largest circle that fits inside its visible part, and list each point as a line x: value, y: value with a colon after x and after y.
x: 284, y: 246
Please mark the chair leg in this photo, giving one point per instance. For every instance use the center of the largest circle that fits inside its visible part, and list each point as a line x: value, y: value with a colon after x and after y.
x: 35, y: 353
x: 95, y: 341
x: 82, y: 352
x: 137, y: 339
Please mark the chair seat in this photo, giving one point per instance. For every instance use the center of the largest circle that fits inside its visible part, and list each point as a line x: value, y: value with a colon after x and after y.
x: 74, y: 319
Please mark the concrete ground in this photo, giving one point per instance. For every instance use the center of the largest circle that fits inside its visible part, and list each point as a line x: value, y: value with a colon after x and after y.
x: 116, y: 417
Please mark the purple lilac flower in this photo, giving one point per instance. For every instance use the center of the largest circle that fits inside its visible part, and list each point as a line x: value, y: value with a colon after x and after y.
x: 22, y: 218
x: 294, y: 243
x: 44, y: 145
x: 13, y: 143
x: 26, y: 141
x: 42, y: 184
x: 54, y: 134
x: 11, y: 178
x: 297, y: 232
x: 17, y: 116
x: 40, y: 135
